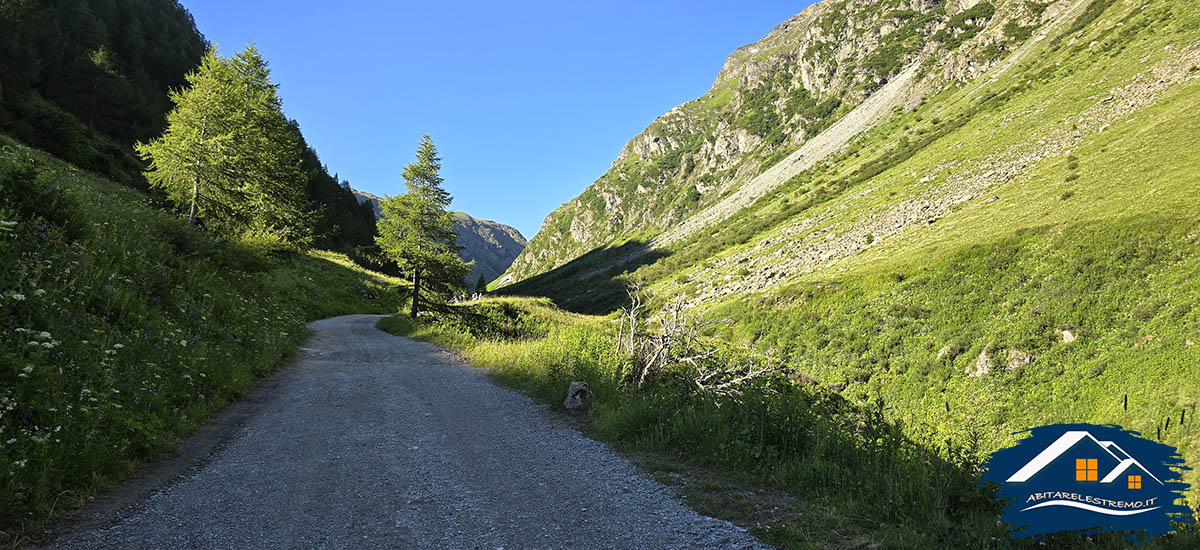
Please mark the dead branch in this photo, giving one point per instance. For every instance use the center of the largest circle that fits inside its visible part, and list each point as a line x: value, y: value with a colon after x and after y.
x: 677, y: 340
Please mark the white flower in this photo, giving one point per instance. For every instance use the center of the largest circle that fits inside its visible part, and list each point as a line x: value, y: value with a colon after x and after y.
x: 17, y: 297
x: 44, y: 335
x: 39, y: 292
x: 8, y: 223
x: 27, y: 369
x: 183, y: 343
x: 118, y: 346
x: 48, y: 345
x: 32, y: 343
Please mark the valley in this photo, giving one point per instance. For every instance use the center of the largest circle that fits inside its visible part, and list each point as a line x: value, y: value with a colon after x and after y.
x: 806, y: 306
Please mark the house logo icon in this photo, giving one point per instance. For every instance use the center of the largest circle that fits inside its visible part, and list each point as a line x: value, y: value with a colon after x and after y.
x: 1089, y: 478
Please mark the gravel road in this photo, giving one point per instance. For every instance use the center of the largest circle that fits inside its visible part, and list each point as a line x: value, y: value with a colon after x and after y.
x: 374, y: 441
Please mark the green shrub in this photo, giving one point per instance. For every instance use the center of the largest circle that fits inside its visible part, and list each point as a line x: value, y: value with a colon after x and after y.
x: 1015, y: 31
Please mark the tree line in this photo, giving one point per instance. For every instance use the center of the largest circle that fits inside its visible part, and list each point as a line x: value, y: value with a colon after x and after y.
x: 87, y: 79
x: 231, y: 160
x: 130, y: 89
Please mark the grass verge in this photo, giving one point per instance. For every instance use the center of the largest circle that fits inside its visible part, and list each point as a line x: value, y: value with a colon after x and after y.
x: 793, y: 461
x: 121, y: 332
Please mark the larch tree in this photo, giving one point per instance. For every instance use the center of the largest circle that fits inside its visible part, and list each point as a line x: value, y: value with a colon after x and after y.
x: 417, y: 232
x: 268, y: 157
x: 191, y: 160
x: 230, y: 156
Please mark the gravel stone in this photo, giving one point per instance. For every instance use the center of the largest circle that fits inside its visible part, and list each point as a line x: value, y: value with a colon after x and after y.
x: 373, y: 440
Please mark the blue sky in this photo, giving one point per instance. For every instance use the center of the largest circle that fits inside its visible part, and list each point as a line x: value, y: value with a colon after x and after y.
x: 528, y: 102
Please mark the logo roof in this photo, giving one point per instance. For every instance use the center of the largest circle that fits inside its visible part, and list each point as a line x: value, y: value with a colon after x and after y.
x: 1068, y: 440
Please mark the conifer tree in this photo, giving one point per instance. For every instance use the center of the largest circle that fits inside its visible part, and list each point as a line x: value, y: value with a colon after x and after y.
x: 230, y: 156
x: 190, y: 161
x: 417, y: 231
x: 481, y: 285
x: 268, y: 156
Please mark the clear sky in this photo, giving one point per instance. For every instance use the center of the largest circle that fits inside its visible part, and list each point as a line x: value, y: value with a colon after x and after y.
x: 528, y: 102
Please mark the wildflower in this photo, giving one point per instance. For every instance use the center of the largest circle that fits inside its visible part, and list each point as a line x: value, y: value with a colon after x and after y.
x: 44, y: 335
x: 118, y: 346
x: 39, y: 292
x: 27, y: 369
x: 17, y: 297
x: 183, y: 343
x: 32, y: 343
x: 7, y: 223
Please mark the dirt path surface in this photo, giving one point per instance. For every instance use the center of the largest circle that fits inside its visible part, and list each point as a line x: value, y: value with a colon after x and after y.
x: 374, y: 441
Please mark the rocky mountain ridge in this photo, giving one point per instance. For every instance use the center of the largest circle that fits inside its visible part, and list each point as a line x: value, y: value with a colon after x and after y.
x: 774, y: 97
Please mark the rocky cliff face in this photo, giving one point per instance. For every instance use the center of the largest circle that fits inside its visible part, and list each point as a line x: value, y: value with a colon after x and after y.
x: 772, y: 97
x: 493, y: 246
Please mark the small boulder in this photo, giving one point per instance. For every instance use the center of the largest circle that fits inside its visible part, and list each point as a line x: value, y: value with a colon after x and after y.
x: 1069, y: 335
x: 982, y: 364
x: 577, y: 394
x: 1018, y: 359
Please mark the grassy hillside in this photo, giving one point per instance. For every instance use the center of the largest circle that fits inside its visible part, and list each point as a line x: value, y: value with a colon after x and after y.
x: 1016, y: 249
x: 120, y: 332
x: 795, y: 461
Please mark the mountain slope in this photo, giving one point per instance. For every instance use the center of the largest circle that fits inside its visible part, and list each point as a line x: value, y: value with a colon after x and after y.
x: 1014, y: 245
x: 812, y: 83
x: 492, y: 245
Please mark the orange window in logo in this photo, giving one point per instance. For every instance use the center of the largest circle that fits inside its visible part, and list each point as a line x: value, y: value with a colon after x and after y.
x: 1135, y: 482
x: 1086, y: 469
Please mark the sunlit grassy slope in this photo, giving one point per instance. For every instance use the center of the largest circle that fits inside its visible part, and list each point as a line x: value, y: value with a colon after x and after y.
x: 120, y: 332
x: 1060, y: 249
x: 1099, y: 240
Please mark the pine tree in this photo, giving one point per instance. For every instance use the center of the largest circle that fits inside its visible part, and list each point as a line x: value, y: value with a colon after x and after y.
x: 481, y: 285
x: 417, y: 232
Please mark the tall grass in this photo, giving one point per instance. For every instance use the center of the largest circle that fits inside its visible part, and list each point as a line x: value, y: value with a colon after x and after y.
x: 850, y: 473
x: 120, y: 332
